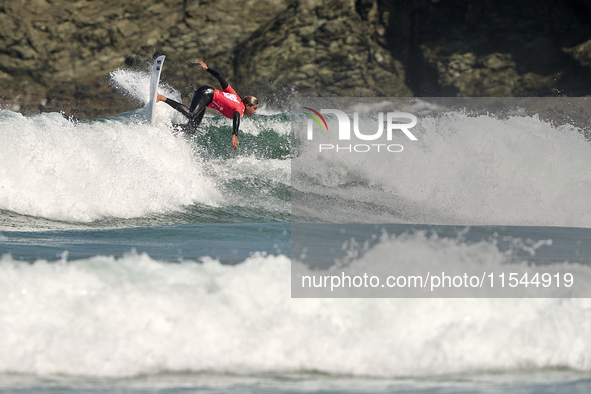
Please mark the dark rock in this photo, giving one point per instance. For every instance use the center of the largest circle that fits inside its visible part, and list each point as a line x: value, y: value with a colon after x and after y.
x: 319, y: 50
x: 56, y: 55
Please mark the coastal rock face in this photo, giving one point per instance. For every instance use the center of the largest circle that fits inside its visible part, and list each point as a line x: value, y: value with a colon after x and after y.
x: 332, y: 49
x: 485, y: 48
x: 56, y: 55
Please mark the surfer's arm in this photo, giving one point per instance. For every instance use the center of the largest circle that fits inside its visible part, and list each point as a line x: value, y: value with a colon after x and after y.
x: 216, y: 74
x: 219, y: 77
x: 236, y: 125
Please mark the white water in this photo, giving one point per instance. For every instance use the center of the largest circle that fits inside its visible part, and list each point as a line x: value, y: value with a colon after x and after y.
x: 120, y: 317
x: 121, y: 167
x: 51, y: 167
x: 462, y: 170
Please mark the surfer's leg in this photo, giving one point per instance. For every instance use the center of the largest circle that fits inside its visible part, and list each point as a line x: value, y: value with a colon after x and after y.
x: 201, y: 99
x: 179, y: 107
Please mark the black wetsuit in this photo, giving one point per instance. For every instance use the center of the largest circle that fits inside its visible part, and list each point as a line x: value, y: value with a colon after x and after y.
x: 202, y: 97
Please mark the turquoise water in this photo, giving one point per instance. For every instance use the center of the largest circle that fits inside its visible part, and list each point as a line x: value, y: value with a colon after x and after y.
x: 138, y: 260
x: 230, y: 244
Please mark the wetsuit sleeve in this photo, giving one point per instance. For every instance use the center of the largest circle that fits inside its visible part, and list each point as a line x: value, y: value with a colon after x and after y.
x: 219, y: 77
x: 236, y: 122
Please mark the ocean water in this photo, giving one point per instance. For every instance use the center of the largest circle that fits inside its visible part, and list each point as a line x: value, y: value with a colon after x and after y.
x: 135, y: 259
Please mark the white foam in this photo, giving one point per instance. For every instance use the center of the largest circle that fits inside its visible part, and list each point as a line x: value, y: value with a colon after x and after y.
x: 119, y: 317
x: 54, y: 168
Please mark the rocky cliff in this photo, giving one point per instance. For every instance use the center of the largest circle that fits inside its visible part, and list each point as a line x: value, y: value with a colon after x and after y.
x: 56, y: 55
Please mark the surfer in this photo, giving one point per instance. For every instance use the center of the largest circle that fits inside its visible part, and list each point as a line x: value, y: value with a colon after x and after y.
x: 227, y: 102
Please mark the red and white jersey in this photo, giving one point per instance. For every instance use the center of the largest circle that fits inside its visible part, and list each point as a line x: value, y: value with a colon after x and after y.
x: 227, y: 102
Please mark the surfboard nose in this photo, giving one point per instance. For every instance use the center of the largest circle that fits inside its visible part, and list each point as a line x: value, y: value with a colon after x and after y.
x: 154, y: 81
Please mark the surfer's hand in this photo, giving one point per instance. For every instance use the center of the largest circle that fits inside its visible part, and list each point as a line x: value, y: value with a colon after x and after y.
x: 203, y: 64
x: 234, y: 141
x: 160, y: 97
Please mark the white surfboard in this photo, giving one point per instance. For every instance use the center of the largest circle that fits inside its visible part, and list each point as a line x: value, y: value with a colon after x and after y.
x: 154, y: 80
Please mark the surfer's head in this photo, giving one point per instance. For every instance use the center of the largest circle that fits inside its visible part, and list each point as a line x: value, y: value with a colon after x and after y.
x: 251, y: 104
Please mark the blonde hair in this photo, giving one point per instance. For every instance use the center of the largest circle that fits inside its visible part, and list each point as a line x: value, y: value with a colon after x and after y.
x: 250, y: 100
